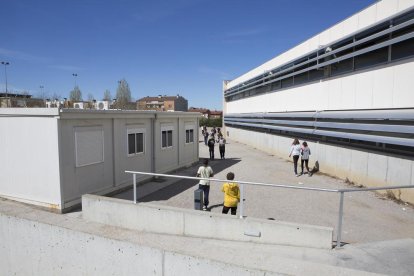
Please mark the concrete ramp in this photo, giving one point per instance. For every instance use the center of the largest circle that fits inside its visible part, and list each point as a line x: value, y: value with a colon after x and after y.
x: 176, y: 221
x: 36, y: 242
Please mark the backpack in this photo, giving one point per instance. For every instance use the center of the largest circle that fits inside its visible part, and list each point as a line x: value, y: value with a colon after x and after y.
x: 211, y: 143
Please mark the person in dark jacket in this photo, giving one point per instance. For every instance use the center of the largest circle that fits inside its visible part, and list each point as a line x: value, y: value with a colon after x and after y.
x: 211, y: 142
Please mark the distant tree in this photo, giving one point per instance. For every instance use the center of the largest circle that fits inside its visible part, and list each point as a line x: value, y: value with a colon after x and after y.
x: 75, y: 95
x: 107, y: 95
x: 56, y: 96
x: 123, y: 94
x: 211, y: 122
x: 90, y: 97
x: 42, y: 95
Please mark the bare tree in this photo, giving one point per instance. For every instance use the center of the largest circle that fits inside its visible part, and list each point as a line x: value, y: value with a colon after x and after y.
x: 107, y: 95
x: 42, y: 95
x: 123, y: 94
x: 56, y: 96
x: 75, y: 95
x: 90, y: 97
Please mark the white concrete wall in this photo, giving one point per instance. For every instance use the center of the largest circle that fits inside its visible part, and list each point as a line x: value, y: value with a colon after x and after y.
x: 188, y: 151
x: 385, y: 87
x: 93, y: 178
x: 180, y: 154
x: 365, y: 168
x: 110, y: 175
x: 57, y: 245
x: 29, y: 158
x: 166, y: 158
x: 369, y: 16
x: 177, y: 221
x: 139, y: 162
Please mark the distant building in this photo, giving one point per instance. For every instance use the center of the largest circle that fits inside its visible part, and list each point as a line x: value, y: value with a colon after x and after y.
x: 19, y: 100
x: 163, y: 103
x: 52, y: 156
x: 204, y: 111
x: 207, y: 113
x: 216, y: 114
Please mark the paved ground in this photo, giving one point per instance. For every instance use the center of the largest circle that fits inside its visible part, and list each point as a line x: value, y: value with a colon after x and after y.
x: 367, y: 216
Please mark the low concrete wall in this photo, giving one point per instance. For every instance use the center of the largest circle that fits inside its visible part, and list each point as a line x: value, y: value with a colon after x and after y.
x: 360, y: 167
x: 176, y: 221
x: 34, y: 242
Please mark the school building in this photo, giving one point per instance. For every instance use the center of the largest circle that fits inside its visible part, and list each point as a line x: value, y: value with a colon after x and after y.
x: 50, y: 157
x: 348, y: 91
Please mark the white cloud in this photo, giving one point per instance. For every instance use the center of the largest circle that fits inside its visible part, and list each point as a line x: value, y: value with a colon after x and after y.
x: 23, y: 56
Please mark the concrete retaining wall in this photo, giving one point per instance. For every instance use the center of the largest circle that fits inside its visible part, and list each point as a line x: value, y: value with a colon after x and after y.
x: 34, y: 242
x: 176, y: 221
x: 364, y: 168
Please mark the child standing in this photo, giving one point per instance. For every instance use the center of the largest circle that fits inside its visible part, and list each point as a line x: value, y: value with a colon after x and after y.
x: 211, y: 142
x: 295, y: 151
x: 231, y: 195
x: 305, y: 152
x: 222, y: 146
x: 205, y: 171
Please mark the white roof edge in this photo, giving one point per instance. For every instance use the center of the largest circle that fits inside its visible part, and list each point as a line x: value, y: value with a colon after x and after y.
x: 53, y: 112
x: 250, y: 74
x: 29, y: 112
x: 119, y: 111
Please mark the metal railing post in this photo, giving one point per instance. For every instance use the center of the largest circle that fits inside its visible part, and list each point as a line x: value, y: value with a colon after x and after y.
x: 135, y: 187
x: 340, y: 214
x: 241, y: 200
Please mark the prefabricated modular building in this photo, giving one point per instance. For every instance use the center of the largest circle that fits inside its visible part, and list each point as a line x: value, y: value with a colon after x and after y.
x: 51, y: 157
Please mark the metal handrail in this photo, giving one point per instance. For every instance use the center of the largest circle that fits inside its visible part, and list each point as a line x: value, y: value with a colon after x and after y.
x: 341, y: 191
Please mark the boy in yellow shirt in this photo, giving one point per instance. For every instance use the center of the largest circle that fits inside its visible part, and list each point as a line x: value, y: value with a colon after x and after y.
x: 231, y: 195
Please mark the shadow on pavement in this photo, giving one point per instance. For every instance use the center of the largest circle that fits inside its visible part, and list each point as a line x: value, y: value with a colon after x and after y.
x: 215, y: 206
x: 180, y: 186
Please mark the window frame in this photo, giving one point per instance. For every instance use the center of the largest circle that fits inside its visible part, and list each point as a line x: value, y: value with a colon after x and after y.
x: 189, y: 138
x: 168, y: 129
x: 136, y: 131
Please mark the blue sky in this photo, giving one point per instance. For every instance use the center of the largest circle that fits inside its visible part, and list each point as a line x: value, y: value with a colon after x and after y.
x: 185, y: 47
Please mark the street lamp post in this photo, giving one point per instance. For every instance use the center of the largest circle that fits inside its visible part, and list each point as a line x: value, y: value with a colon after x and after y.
x: 75, y: 76
x: 5, y: 63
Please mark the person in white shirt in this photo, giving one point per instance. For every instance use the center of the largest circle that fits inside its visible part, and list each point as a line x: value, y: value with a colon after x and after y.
x: 305, y: 152
x: 205, y: 171
x: 295, y: 151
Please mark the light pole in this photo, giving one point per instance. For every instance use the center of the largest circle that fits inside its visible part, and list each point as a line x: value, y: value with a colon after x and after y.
x: 42, y: 94
x: 5, y: 63
x: 75, y: 76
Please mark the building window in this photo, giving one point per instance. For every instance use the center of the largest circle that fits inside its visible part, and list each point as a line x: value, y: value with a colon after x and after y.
x: 189, y: 136
x: 166, y: 136
x: 189, y: 132
x: 136, y: 141
x: 89, y: 145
